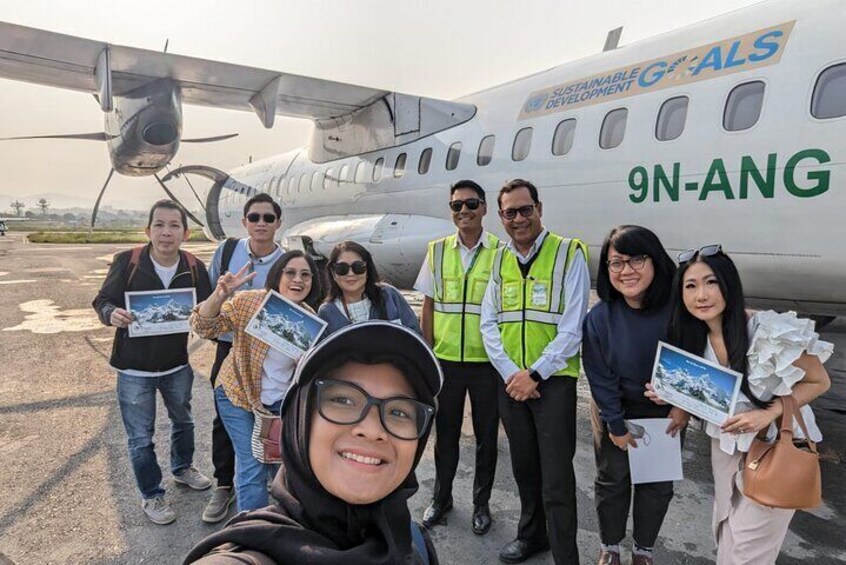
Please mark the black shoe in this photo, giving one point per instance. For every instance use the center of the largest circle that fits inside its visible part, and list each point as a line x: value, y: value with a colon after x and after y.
x: 435, y: 513
x: 518, y: 551
x: 481, y: 520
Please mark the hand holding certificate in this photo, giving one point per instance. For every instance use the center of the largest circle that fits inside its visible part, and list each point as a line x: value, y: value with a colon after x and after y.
x: 696, y: 385
x: 285, y: 326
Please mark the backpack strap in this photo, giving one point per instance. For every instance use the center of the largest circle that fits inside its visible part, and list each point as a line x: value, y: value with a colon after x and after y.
x: 419, y: 542
x: 191, y: 259
x: 228, y: 250
x: 134, y: 260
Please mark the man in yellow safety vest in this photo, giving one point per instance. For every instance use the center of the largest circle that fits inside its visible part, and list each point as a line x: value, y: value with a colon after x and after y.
x: 531, y: 324
x: 453, y: 279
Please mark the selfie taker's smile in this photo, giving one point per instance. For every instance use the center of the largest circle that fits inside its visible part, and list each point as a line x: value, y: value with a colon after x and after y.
x: 361, y: 459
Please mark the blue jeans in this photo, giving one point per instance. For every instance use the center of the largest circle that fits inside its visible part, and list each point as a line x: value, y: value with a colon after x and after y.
x: 137, y: 400
x: 250, y: 475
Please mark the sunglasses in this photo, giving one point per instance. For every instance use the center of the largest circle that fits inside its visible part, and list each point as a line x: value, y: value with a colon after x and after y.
x: 291, y: 274
x: 616, y: 265
x: 345, y: 403
x: 358, y: 268
x: 511, y: 213
x: 471, y: 203
x: 704, y: 251
x: 255, y: 217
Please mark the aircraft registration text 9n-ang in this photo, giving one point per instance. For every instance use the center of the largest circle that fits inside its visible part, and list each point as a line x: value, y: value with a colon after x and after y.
x: 729, y: 131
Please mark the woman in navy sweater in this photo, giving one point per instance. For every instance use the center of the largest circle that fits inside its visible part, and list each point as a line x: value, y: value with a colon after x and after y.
x: 621, y: 334
x: 356, y: 294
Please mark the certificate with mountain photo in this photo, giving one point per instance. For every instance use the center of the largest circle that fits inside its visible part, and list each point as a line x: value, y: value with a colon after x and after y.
x: 696, y: 385
x: 160, y: 312
x: 284, y: 326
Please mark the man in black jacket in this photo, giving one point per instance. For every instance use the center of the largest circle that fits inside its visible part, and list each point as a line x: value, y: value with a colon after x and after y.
x: 160, y: 362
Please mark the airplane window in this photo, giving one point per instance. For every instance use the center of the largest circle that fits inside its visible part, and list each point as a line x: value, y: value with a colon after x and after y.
x: 743, y: 107
x: 361, y: 172
x: 304, y: 180
x: 486, y: 147
x: 329, y: 179
x: 671, y: 118
x: 522, y: 144
x: 399, y: 166
x: 562, y: 141
x: 342, y: 176
x: 453, y: 155
x: 279, y: 184
x: 291, y: 184
x: 425, y: 161
x: 613, y: 128
x: 316, y: 181
x: 377, y: 169
x: 830, y: 93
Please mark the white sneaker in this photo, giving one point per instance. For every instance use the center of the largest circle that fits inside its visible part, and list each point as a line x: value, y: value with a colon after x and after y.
x: 158, y: 510
x: 193, y: 478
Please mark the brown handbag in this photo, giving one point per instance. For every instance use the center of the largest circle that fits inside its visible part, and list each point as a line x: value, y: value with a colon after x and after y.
x: 267, y: 437
x: 782, y: 474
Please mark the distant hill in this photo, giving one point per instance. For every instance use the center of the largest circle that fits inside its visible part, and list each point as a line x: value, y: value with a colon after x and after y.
x: 65, y: 202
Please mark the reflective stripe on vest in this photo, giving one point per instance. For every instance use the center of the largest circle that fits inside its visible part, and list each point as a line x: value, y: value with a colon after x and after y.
x: 458, y: 298
x: 529, y: 309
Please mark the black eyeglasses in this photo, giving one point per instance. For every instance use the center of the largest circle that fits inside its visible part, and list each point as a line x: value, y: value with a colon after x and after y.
x: 616, y: 265
x: 511, y: 213
x: 345, y: 403
x: 704, y: 251
x: 341, y: 269
x: 255, y: 217
x: 471, y: 203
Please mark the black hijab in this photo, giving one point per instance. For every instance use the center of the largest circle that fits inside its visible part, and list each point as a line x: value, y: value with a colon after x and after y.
x: 308, y: 524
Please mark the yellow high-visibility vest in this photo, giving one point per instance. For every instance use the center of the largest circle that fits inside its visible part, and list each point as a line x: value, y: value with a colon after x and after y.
x: 458, y: 298
x: 529, y: 309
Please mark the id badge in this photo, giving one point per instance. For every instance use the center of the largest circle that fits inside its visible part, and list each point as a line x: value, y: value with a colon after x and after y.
x: 540, y: 294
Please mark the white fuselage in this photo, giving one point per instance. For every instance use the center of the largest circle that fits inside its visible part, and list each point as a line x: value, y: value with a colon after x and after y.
x: 774, y: 195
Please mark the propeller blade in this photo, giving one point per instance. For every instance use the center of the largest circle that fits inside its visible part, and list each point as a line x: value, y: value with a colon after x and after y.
x: 210, y: 139
x: 191, y: 186
x: 175, y: 199
x: 96, y: 136
x: 99, y: 198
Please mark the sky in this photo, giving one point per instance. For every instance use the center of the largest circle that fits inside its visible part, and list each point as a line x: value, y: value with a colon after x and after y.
x: 440, y: 48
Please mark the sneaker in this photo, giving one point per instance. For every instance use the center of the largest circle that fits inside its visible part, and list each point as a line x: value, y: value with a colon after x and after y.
x: 218, y: 507
x: 158, y: 510
x: 193, y: 478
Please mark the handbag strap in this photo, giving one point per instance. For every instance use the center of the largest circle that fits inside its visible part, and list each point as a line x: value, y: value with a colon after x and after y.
x: 791, y: 410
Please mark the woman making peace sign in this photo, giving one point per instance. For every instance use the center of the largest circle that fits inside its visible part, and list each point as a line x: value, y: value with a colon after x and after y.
x: 255, y: 377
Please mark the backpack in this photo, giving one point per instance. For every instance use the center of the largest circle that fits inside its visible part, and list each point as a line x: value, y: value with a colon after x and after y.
x: 135, y: 259
x: 228, y: 250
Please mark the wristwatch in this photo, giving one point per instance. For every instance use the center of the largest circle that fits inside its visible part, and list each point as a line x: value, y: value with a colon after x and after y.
x: 535, y: 376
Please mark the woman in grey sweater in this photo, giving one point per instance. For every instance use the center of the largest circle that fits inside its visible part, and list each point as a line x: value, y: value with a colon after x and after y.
x: 356, y: 293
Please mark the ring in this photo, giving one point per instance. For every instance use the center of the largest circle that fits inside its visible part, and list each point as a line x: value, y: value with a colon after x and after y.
x: 740, y: 429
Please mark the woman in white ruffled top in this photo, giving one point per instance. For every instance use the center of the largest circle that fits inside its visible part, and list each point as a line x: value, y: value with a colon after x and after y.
x: 778, y: 355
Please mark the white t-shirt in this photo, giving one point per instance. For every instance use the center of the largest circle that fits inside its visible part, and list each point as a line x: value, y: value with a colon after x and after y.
x: 166, y: 274
x: 276, y: 373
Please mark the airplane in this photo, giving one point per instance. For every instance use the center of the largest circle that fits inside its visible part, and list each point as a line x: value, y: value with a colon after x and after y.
x: 730, y: 131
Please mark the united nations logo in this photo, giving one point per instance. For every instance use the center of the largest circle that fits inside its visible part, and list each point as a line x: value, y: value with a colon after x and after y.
x: 535, y: 103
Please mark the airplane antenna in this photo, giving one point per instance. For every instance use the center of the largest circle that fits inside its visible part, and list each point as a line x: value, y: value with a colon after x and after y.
x: 166, y: 42
x: 613, y: 39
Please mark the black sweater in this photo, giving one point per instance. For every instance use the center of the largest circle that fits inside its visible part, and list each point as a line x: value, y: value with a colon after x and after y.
x: 153, y: 353
x: 618, y: 352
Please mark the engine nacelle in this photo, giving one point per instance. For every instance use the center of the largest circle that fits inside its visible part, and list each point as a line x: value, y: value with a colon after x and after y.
x: 397, y: 241
x: 145, y: 127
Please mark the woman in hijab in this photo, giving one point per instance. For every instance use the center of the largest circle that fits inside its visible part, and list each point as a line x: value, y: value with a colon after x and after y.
x: 354, y: 426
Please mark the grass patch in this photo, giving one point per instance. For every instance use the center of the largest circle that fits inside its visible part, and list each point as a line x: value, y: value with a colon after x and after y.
x: 98, y: 237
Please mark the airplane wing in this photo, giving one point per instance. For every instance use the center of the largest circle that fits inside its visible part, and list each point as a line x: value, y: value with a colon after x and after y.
x: 75, y: 63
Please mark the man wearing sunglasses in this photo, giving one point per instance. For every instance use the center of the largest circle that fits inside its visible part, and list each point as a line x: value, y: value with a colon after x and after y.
x: 531, y: 325
x: 453, y: 279
x: 262, y: 219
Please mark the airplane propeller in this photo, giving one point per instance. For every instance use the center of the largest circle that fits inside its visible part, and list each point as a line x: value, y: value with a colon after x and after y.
x: 102, y: 136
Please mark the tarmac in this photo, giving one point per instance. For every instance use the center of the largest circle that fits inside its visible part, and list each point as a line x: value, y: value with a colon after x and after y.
x: 68, y: 494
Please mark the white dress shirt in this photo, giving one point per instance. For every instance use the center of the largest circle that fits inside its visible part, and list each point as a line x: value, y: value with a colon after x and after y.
x: 425, y: 282
x: 566, y: 343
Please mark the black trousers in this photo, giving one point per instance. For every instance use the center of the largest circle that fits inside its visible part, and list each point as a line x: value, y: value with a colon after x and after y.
x: 613, y: 487
x: 480, y: 381
x: 223, y: 454
x: 542, y: 437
